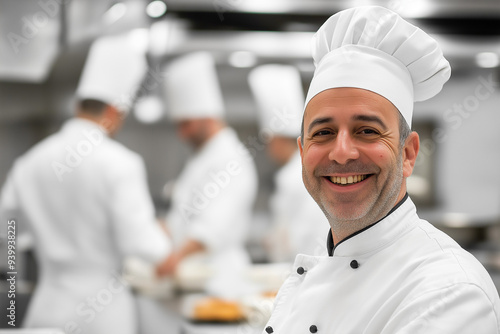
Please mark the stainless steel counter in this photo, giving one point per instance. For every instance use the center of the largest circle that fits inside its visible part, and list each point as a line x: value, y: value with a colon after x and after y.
x: 164, y: 316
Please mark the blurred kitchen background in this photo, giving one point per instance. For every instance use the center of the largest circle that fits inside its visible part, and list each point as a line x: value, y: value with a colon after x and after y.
x: 456, y: 183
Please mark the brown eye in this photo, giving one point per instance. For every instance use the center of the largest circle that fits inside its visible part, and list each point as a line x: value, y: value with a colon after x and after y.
x: 368, y: 132
x: 322, y: 133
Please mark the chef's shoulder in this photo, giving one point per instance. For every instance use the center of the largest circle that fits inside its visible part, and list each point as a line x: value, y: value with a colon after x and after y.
x: 446, y: 253
x: 116, y: 155
x: 35, y: 155
x: 229, y: 151
x: 443, y: 265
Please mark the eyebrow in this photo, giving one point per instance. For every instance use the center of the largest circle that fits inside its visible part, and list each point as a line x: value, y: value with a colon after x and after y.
x: 370, y: 118
x: 363, y: 118
x: 319, y: 121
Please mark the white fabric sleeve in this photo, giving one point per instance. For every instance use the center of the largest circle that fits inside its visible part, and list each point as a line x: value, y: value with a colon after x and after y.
x: 460, y: 309
x: 8, y: 205
x: 135, y: 227
x: 11, y: 208
x: 8, y: 199
x: 216, y: 226
x: 224, y: 222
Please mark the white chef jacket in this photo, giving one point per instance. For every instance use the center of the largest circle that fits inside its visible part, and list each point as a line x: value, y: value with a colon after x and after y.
x: 87, y: 204
x: 299, y: 225
x: 212, y: 202
x: 400, y: 275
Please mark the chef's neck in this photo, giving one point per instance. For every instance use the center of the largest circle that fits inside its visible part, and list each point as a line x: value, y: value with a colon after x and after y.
x: 110, y: 119
x: 342, y: 230
x: 213, y: 126
x: 206, y: 130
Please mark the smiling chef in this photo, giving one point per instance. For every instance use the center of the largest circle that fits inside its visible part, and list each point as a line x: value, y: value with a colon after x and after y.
x: 387, y: 271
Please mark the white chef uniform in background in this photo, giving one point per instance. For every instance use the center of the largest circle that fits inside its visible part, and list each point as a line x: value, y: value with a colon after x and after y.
x: 400, y: 274
x: 213, y: 197
x: 298, y: 224
x: 86, y: 201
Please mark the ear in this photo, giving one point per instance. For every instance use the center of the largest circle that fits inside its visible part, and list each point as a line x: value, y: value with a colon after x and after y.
x: 299, y: 144
x: 410, y: 152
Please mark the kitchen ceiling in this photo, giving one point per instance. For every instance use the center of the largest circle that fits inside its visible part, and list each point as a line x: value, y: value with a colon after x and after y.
x: 238, y: 32
x: 407, y: 8
x: 217, y: 25
x: 281, y: 29
x: 450, y: 16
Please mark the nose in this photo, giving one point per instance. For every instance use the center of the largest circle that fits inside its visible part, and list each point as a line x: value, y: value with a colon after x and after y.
x: 343, y: 148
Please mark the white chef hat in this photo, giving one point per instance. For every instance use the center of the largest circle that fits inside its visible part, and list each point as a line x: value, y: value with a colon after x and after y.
x: 192, y: 87
x: 113, y: 71
x: 373, y: 48
x: 280, y: 98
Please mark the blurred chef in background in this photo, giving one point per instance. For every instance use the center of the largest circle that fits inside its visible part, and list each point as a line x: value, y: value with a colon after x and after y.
x: 86, y: 201
x: 298, y: 224
x: 213, y: 198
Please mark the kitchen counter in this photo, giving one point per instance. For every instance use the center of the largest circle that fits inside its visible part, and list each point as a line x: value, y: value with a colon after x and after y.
x: 164, y: 316
x: 166, y: 306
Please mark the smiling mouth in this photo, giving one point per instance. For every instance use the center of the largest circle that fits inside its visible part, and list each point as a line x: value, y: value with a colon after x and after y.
x: 348, y: 180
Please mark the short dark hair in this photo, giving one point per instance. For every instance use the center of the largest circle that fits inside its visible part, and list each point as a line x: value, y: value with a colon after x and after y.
x: 404, y: 130
x: 91, y: 106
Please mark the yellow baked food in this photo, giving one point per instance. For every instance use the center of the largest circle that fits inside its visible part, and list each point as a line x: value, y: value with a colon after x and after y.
x: 215, y: 309
x: 269, y: 294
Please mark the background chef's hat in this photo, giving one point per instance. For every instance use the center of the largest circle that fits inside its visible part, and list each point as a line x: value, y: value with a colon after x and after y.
x: 113, y: 71
x: 373, y: 48
x: 192, y: 87
x: 280, y: 98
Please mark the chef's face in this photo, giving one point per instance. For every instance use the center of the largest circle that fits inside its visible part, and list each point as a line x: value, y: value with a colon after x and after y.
x: 193, y: 131
x: 111, y: 119
x: 353, y: 165
x: 281, y: 149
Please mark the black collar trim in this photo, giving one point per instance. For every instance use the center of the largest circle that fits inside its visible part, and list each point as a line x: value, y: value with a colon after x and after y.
x: 330, y: 246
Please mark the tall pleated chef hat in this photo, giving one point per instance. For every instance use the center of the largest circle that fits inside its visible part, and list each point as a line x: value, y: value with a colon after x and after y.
x: 192, y: 87
x: 373, y: 48
x: 113, y: 71
x: 278, y: 92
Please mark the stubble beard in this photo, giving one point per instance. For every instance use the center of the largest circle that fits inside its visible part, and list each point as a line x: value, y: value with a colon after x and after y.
x: 374, y: 208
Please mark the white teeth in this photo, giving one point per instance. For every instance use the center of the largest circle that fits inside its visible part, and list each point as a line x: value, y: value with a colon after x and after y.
x: 347, y: 180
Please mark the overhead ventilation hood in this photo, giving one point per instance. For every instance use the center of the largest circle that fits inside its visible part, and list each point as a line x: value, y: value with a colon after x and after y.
x: 34, y: 32
x: 29, y: 39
